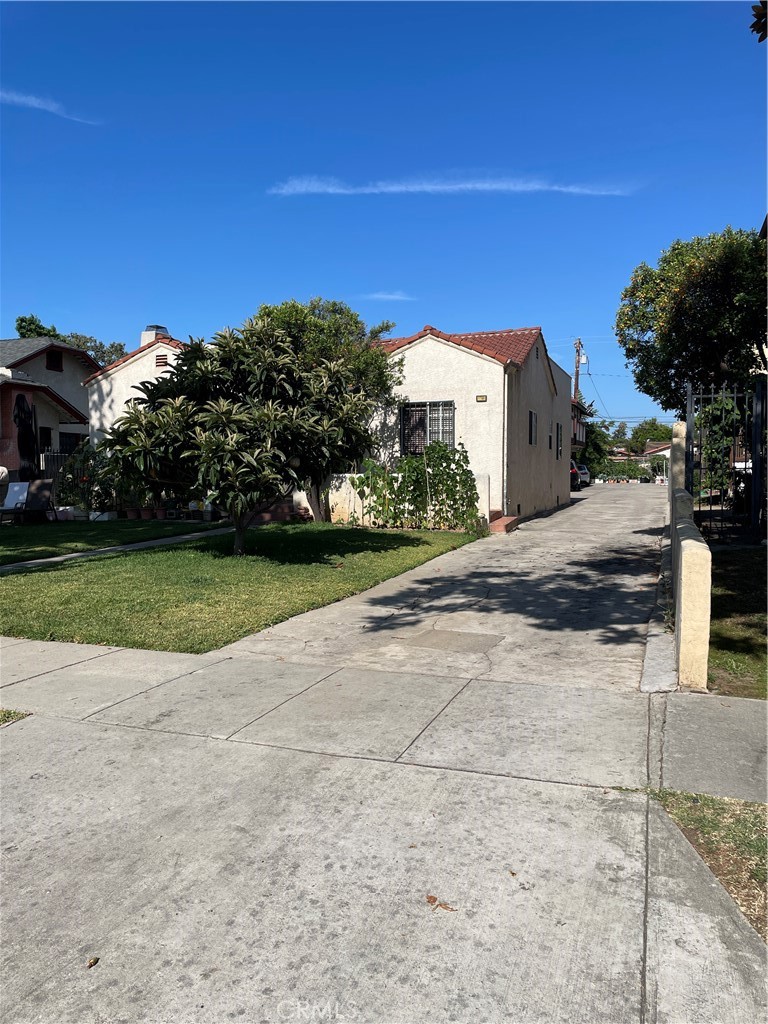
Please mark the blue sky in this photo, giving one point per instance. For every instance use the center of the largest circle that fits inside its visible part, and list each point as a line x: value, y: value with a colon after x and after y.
x: 471, y: 166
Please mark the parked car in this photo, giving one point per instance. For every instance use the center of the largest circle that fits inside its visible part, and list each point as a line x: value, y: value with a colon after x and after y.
x: 575, y: 477
x: 584, y: 476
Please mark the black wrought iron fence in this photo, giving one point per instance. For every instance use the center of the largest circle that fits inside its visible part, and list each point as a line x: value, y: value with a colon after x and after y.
x: 725, y: 461
x: 51, y: 464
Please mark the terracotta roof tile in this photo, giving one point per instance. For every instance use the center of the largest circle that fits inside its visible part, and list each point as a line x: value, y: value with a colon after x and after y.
x: 507, y: 346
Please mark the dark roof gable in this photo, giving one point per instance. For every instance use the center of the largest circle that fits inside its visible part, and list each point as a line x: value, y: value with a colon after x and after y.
x: 17, y: 350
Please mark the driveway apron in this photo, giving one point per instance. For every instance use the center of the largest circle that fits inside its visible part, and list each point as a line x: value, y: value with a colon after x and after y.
x: 415, y: 805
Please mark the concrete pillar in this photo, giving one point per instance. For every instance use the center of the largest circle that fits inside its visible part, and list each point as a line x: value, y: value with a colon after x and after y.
x: 677, y: 459
x: 692, y: 587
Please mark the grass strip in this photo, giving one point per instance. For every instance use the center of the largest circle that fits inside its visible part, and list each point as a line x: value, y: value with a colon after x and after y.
x: 7, y: 715
x: 737, y: 644
x: 730, y: 836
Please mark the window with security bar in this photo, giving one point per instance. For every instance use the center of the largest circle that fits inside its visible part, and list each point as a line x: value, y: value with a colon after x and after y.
x: 424, y: 422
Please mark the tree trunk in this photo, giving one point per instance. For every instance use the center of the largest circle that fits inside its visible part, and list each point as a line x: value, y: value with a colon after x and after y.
x: 241, y: 525
x: 317, y: 496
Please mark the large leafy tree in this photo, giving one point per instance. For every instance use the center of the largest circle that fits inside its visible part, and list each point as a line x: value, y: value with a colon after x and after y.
x: 323, y: 329
x: 698, y: 317
x: 33, y: 327
x: 648, y: 430
x: 243, y: 421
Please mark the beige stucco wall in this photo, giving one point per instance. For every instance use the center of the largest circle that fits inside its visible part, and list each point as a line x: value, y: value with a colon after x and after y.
x: 436, y: 371
x: 536, y: 479
x: 108, y: 393
x: 68, y: 383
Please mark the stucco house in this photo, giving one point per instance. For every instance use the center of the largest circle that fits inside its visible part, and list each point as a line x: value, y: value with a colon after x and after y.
x: 110, y: 387
x: 502, y: 397
x: 42, y: 403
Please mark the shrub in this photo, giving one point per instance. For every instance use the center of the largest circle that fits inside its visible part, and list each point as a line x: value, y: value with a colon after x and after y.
x: 435, y: 490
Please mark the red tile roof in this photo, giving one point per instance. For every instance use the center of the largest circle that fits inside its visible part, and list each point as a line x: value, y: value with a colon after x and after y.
x: 160, y: 339
x: 507, y: 346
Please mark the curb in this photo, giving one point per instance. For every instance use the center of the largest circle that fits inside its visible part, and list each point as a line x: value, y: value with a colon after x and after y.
x: 659, y: 673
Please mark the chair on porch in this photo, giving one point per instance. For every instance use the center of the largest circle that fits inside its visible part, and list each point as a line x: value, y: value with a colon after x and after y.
x: 28, y: 502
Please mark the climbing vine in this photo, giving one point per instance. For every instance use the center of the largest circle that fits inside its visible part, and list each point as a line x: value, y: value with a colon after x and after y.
x: 435, y: 490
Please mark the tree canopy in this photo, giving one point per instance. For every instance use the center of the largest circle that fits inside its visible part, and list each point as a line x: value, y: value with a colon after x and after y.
x: 648, y: 430
x: 324, y: 329
x: 244, y: 420
x: 32, y: 327
x: 698, y: 317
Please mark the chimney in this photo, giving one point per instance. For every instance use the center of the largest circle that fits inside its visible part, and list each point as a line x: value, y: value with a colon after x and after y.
x: 151, y: 332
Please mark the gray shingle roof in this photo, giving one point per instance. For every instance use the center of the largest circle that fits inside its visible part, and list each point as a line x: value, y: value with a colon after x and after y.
x: 14, y: 349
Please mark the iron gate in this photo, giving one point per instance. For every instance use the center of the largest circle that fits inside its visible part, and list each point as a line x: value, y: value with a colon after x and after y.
x: 725, y: 461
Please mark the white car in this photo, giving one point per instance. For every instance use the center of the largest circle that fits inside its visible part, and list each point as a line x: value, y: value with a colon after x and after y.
x: 584, y: 476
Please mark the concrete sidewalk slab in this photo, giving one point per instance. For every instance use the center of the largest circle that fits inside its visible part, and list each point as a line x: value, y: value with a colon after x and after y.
x: 222, y: 881
x: 78, y: 690
x: 705, y: 963
x: 9, y: 641
x: 215, y: 701
x: 356, y: 712
x: 27, y: 658
x: 716, y: 745
x: 543, y: 733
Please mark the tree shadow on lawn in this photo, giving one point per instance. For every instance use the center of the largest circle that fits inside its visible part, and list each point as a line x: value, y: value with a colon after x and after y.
x: 298, y: 544
x: 288, y: 544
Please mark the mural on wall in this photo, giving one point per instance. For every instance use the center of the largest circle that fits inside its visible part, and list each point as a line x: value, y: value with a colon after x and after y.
x: 25, y: 418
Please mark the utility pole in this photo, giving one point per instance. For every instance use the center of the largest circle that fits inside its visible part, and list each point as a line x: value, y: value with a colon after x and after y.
x: 577, y: 346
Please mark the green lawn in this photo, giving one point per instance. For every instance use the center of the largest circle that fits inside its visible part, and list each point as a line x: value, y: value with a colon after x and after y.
x: 737, y: 646
x: 22, y: 543
x: 196, y: 597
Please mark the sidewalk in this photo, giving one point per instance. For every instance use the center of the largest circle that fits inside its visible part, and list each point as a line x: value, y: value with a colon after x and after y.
x: 261, y: 830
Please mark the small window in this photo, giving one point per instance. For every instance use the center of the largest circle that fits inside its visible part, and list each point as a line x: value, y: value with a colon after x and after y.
x: 69, y: 441
x: 424, y: 422
x: 161, y: 359
x: 550, y: 435
x: 559, y: 450
x: 533, y: 428
x: 53, y: 360
x: 46, y: 439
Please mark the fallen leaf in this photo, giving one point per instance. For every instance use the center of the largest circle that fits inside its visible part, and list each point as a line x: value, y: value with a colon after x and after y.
x: 412, y: 846
x: 436, y: 905
x: 92, y: 962
x: 513, y: 873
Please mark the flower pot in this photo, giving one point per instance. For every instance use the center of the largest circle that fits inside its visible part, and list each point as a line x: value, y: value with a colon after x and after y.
x: 132, y: 513
x: 160, y: 513
x: 145, y: 513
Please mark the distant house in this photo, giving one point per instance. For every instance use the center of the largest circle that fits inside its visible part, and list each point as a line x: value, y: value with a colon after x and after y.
x: 579, y: 413
x: 502, y: 397
x: 109, y: 389
x: 42, y: 403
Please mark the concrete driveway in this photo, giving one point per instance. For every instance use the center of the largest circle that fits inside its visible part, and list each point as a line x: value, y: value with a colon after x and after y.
x: 396, y: 809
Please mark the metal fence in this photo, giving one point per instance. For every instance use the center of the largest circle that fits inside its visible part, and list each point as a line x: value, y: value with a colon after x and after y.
x: 51, y: 464
x: 725, y: 461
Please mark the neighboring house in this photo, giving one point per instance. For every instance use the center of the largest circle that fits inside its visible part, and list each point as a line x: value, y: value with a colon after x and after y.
x: 579, y: 413
x: 42, y: 403
x: 502, y: 397
x: 114, y: 385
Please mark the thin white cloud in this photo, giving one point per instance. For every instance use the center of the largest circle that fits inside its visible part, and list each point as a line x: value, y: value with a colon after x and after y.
x: 389, y: 297
x: 21, y: 99
x: 314, y: 186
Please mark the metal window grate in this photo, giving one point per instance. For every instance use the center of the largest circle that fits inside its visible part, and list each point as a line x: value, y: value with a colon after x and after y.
x: 424, y: 422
